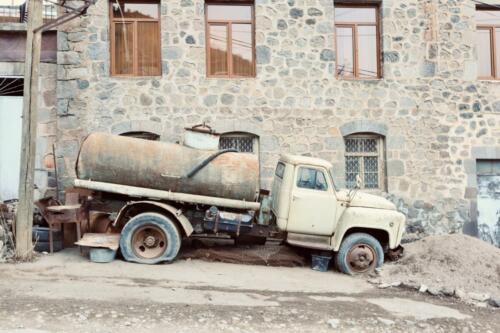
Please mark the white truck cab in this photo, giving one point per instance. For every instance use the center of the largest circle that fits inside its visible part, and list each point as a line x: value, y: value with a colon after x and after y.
x: 358, y: 227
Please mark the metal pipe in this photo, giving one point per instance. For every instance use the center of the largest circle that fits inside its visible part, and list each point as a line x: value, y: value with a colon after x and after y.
x: 141, y: 192
x: 208, y: 160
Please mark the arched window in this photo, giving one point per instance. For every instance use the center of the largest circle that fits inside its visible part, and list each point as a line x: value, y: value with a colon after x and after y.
x: 243, y: 142
x: 364, y: 155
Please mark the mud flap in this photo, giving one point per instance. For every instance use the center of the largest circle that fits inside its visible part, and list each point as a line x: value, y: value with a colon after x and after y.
x: 395, y: 254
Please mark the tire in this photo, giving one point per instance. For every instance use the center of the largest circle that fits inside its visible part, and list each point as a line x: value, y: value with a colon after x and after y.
x: 359, y: 253
x: 150, y: 238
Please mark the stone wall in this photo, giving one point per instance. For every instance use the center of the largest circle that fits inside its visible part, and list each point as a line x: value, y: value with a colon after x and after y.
x: 429, y: 104
x: 46, y: 135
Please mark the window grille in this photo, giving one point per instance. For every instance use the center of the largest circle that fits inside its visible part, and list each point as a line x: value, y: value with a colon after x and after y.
x: 11, y: 86
x: 364, y: 156
x: 244, y: 144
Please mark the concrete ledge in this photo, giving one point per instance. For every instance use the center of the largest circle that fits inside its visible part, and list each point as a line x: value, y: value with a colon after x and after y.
x: 228, y: 126
x: 11, y: 68
x: 137, y: 126
x: 361, y: 126
x: 13, y: 26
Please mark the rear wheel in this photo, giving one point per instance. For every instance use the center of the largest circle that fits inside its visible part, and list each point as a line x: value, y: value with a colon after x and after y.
x: 359, y: 253
x: 150, y: 238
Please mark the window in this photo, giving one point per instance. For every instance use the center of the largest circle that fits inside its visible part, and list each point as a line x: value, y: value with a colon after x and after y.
x: 364, y: 155
x: 135, y: 38
x: 357, y: 42
x: 488, y: 38
x: 230, y: 40
x: 14, y: 46
x: 280, y: 170
x: 11, y: 86
x: 311, y: 179
x: 242, y: 142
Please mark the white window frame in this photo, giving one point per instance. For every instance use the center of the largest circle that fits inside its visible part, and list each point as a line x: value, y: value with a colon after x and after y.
x: 380, y: 154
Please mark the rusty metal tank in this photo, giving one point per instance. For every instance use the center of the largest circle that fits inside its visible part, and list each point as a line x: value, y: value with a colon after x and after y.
x: 168, y: 166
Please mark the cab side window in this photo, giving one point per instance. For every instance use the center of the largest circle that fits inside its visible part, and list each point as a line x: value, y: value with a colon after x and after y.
x: 311, y: 179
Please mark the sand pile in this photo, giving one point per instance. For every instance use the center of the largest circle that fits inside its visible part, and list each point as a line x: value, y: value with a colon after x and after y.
x: 446, y: 264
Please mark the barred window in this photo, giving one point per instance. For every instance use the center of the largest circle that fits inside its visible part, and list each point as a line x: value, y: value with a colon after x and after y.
x: 244, y: 143
x: 364, y: 156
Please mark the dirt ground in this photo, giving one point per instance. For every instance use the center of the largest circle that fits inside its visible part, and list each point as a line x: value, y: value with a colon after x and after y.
x: 273, y: 253
x: 65, y: 292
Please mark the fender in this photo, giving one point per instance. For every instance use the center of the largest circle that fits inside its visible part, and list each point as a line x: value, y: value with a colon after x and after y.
x: 181, y: 218
x: 390, y: 221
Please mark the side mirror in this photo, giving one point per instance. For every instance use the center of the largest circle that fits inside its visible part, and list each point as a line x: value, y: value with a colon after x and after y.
x: 358, y: 182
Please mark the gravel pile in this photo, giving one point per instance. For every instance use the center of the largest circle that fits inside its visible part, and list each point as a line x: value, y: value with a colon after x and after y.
x: 451, y: 265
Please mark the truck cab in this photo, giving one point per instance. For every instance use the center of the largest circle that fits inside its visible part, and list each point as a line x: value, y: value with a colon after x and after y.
x: 359, y: 228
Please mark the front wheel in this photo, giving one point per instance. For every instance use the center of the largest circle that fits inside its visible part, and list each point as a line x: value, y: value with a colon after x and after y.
x: 359, y: 253
x: 150, y: 238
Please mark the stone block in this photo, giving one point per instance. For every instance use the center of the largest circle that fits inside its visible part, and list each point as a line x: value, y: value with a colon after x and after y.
x: 62, y: 41
x: 97, y: 51
x: 428, y: 69
x: 314, y: 12
x: 395, y: 168
x: 282, y: 25
x: 335, y: 143
x: 67, y: 89
x: 145, y: 100
x: 270, y: 143
x: 363, y: 126
x: 296, y: 13
x: 210, y: 100
x: 327, y: 55
x: 122, y: 127
x: 172, y: 53
x: 66, y: 148
x: 68, y: 58
x: 395, y: 142
x: 263, y: 54
x: 391, y: 57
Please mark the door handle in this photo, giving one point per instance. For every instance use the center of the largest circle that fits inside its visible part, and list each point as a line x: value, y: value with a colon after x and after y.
x: 295, y: 197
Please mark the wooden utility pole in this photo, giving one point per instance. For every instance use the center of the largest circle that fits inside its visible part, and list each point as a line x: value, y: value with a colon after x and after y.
x: 24, y: 217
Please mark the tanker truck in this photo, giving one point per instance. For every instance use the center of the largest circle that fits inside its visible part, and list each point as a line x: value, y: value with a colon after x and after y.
x: 159, y: 193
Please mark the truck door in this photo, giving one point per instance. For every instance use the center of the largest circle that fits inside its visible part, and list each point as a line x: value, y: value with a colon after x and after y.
x: 313, y: 203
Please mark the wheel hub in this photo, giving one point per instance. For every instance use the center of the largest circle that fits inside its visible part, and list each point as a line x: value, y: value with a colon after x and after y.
x: 149, y: 242
x: 361, y: 258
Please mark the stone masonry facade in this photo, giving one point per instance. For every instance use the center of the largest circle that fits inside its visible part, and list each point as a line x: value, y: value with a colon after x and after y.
x: 432, y: 111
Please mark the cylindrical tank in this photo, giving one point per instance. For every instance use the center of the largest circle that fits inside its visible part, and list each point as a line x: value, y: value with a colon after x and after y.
x: 167, y: 166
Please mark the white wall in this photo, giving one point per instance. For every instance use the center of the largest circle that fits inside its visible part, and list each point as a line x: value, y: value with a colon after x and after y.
x: 10, y: 145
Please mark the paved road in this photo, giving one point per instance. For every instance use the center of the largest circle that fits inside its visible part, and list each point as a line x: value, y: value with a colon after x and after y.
x: 66, y: 293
